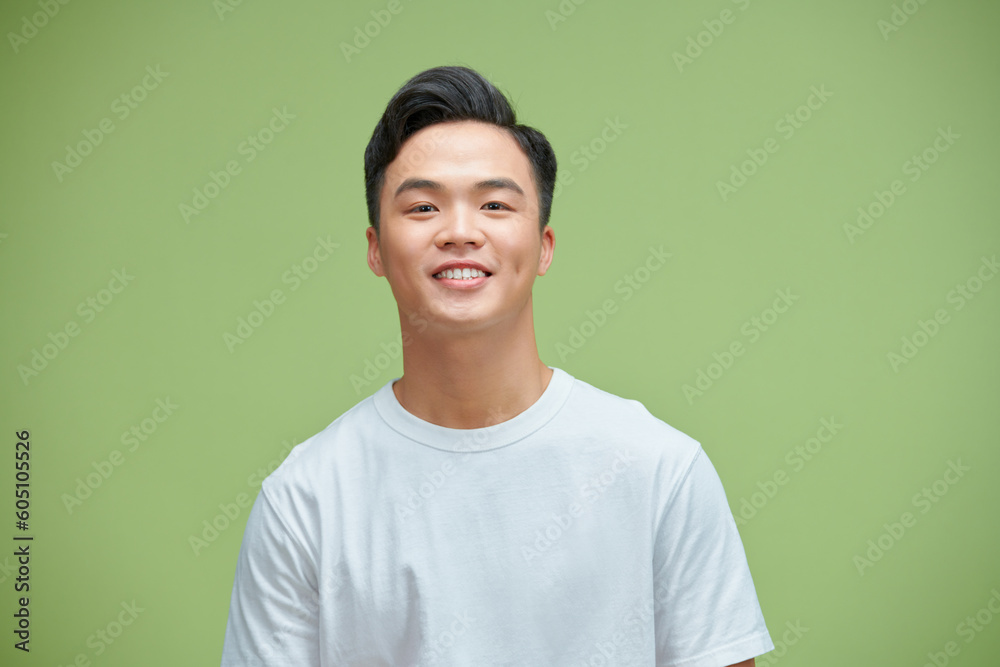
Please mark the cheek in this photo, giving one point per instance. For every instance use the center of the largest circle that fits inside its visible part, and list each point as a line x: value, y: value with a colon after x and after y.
x: 401, y: 262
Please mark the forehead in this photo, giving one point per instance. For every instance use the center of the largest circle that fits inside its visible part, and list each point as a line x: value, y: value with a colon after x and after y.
x: 460, y: 150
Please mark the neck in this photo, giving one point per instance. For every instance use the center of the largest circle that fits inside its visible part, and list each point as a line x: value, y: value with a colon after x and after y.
x: 471, y: 380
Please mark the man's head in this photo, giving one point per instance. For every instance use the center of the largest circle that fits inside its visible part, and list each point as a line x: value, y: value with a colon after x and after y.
x: 444, y: 94
x: 458, y: 229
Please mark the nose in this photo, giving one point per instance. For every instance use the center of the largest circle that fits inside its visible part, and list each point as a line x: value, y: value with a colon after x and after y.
x: 460, y: 227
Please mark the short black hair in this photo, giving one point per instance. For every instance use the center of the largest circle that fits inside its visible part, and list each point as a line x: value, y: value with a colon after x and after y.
x: 444, y: 94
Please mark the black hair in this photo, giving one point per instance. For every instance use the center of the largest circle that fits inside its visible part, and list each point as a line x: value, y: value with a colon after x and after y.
x: 452, y: 93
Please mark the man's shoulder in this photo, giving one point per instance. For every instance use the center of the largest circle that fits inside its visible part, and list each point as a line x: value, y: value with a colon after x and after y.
x: 308, y: 462
x: 603, y: 412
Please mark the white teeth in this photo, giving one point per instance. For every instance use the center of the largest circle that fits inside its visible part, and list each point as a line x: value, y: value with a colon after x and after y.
x: 460, y: 274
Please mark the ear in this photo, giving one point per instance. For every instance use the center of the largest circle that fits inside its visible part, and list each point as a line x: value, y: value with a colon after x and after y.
x: 548, y: 247
x: 374, y: 252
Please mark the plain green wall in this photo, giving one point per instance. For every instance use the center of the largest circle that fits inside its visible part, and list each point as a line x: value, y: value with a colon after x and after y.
x: 884, y: 84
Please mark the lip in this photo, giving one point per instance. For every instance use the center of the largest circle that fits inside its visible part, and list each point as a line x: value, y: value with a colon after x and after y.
x: 458, y: 283
x: 461, y: 284
x: 460, y: 264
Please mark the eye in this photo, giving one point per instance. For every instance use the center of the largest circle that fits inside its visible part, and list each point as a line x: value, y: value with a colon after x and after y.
x: 496, y: 203
x: 416, y: 209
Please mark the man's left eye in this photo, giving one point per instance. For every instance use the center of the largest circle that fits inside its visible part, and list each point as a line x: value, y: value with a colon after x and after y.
x: 496, y: 203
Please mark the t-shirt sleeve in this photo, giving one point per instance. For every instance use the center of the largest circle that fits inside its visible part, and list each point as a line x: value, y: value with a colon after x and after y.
x: 274, y: 609
x: 706, y: 608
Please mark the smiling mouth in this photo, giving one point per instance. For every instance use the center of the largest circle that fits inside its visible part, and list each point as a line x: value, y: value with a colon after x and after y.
x: 461, y: 274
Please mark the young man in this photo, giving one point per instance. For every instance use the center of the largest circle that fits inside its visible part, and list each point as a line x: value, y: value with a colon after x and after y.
x: 485, y: 508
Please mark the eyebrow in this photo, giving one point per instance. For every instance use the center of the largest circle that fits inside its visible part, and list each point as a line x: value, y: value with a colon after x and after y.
x: 488, y: 184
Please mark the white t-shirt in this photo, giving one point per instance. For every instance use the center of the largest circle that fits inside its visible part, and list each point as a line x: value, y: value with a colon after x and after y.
x: 582, y: 532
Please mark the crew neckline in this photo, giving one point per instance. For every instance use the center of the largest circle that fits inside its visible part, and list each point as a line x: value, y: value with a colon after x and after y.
x: 474, y: 439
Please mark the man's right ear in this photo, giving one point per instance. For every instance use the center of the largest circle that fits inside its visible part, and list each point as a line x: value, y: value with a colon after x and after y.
x: 374, y: 252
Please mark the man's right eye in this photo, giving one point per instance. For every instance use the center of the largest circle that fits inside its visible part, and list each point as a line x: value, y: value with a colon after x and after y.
x: 416, y: 209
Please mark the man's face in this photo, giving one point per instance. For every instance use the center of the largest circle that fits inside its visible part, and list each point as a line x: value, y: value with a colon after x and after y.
x: 460, y: 192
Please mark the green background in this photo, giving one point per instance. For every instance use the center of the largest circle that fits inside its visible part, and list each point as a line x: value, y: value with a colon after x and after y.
x: 685, y: 128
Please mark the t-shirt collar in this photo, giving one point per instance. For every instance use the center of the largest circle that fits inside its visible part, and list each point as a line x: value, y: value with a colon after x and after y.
x: 475, y: 439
